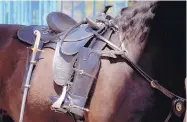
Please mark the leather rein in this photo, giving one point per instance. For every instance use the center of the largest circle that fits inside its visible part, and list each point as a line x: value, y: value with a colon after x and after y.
x: 178, y: 102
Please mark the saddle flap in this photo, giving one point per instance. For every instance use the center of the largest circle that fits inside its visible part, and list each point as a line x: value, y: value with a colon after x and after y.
x: 76, y: 39
x: 86, y: 70
x: 87, y: 67
x: 26, y: 34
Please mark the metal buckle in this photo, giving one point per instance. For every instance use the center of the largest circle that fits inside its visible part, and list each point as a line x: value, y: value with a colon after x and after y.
x: 153, y: 83
x: 178, y: 107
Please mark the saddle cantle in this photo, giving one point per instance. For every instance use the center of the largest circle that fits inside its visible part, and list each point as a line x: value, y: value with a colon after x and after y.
x: 26, y: 34
x: 59, y: 21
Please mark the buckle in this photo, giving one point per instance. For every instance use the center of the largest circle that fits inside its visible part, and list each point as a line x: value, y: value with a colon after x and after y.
x: 178, y: 106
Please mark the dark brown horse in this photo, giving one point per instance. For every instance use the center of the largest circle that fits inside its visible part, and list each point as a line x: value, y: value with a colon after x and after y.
x: 153, y: 34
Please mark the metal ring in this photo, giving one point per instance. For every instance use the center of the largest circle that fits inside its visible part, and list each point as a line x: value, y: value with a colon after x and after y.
x: 45, y: 32
x: 33, y: 62
x: 81, y: 72
x: 178, y: 106
x: 27, y: 86
x: 153, y: 84
x: 42, y: 28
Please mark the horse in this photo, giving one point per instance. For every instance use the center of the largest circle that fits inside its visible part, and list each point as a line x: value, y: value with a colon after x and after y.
x: 153, y: 34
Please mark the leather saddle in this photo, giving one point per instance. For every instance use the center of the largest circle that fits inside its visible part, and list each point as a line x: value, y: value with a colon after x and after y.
x: 75, y: 61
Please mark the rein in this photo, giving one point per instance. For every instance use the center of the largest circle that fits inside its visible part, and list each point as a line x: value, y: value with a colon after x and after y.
x: 178, y: 102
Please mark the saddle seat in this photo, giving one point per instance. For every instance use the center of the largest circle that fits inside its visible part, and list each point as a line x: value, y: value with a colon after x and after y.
x: 59, y: 22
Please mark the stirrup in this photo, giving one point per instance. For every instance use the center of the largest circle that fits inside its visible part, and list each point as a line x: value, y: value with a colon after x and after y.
x: 57, y: 105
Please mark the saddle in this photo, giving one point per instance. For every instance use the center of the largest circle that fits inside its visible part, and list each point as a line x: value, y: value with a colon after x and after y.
x: 77, y: 56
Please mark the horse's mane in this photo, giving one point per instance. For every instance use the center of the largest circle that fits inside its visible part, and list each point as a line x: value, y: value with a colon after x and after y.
x: 134, y: 21
x: 163, y: 23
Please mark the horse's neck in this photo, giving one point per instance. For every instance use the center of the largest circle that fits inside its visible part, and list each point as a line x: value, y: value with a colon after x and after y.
x: 167, y: 44
x: 149, y: 19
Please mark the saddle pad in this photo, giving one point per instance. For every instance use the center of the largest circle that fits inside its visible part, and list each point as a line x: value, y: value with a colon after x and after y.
x: 76, y: 39
x: 26, y: 34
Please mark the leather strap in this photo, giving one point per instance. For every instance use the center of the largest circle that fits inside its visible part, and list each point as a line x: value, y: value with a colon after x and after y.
x: 153, y: 83
x: 169, y: 116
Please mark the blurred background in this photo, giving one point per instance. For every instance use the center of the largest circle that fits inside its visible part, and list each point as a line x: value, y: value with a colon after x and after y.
x: 29, y: 12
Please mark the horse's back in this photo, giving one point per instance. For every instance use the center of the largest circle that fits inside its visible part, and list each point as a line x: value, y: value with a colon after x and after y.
x: 8, y: 32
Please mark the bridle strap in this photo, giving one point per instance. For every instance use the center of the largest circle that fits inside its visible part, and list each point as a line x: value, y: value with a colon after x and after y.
x: 153, y: 83
x: 169, y: 116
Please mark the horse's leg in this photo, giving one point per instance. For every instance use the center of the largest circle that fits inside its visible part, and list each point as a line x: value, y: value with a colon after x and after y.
x: 42, y: 86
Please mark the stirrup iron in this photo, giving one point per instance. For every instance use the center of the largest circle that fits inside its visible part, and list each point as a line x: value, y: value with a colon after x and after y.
x: 57, y: 105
